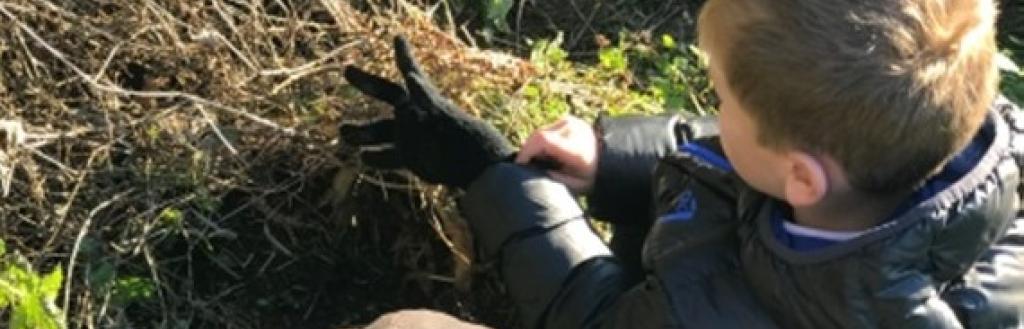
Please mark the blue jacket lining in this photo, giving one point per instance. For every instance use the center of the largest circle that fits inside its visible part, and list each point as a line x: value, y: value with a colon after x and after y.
x: 959, y: 166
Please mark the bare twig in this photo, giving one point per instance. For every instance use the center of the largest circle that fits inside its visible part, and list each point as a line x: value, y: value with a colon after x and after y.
x: 277, y: 244
x: 81, y: 235
x: 216, y: 131
x: 147, y: 94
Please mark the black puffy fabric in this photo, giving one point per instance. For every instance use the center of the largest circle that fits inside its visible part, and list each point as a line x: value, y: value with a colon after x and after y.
x: 535, y: 230
x: 429, y: 135
x: 954, y: 259
x: 630, y: 148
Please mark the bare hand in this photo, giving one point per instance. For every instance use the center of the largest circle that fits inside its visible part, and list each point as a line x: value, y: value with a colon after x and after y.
x: 570, y: 142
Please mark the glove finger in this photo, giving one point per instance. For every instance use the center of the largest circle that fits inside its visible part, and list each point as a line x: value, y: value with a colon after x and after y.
x: 406, y: 62
x: 368, y: 134
x: 382, y: 158
x: 375, y: 86
x: 421, y: 90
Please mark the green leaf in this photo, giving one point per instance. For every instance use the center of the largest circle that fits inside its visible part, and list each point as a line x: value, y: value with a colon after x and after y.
x: 495, y: 12
x: 1006, y: 64
x: 30, y: 297
x: 101, y: 275
x: 19, y: 278
x: 3, y: 299
x: 531, y: 91
x: 50, y: 286
x: 31, y: 314
x: 132, y: 289
x: 548, y: 54
x: 3, y: 248
x: 205, y: 201
x: 668, y: 42
x: 613, y: 59
x: 171, y: 216
x: 20, y: 318
x: 1013, y: 87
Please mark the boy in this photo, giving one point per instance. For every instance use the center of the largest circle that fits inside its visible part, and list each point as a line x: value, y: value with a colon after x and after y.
x: 870, y: 178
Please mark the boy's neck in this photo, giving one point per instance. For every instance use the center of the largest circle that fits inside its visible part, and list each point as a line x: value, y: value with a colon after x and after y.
x: 849, y: 213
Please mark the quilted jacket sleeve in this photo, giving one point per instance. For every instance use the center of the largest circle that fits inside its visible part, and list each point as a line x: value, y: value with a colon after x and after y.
x: 630, y: 149
x: 560, y: 275
x: 991, y: 294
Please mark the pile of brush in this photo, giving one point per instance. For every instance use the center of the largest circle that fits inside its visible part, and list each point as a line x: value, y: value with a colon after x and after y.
x: 178, y: 159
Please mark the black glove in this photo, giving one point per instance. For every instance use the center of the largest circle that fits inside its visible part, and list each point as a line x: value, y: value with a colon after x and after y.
x: 429, y: 135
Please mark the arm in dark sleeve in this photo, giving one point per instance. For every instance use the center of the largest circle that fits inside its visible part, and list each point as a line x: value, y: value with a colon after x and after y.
x: 991, y: 294
x: 596, y: 297
x: 534, y: 229
x: 630, y: 149
x: 560, y: 274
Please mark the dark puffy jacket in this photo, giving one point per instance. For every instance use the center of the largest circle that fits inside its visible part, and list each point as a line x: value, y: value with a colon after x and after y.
x: 951, y: 258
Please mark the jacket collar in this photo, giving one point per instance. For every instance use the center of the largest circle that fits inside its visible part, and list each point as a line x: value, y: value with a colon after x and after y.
x: 975, y: 202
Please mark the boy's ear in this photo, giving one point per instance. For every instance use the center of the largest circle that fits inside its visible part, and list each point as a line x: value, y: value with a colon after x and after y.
x: 806, y: 181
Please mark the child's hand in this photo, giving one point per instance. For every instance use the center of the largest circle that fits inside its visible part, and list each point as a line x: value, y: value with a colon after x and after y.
x: 570, y: 143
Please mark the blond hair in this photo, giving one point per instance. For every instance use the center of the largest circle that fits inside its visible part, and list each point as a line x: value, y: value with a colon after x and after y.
x: 891, y: 89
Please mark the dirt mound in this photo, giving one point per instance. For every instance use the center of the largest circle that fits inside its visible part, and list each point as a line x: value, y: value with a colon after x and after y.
x: 179, y: 160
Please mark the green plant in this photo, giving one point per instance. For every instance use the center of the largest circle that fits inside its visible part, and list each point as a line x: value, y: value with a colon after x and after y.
x: 31, y: 297
x: 103, y: 279
x: 1012, y: 86
x: 632, y: 76
x: 1012, y: 83
x: 562, y: 86
x: 548, y: 56
x: 132, y: 289
x: 677, y: 75
x: 494, y: 13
